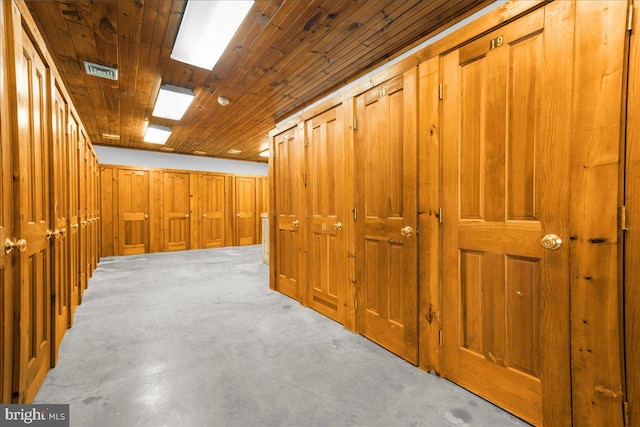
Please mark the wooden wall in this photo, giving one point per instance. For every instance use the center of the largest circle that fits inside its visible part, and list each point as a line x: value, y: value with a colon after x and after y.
x: 517, y: 118
x: 49, y: 219
x: 155, y: 210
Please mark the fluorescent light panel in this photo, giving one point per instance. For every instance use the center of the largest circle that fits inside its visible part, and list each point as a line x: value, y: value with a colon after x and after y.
x: 206, y: 29
x: 157, y: 134
x: 172, y: 102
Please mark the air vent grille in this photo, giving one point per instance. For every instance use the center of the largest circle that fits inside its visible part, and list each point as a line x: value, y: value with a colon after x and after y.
x: 100, y: 71
x: 111, y: 136
x: 166, y: 149
x: 199, y: 153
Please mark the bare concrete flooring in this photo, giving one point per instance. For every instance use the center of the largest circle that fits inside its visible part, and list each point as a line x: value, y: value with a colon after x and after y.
x: 196, y: 338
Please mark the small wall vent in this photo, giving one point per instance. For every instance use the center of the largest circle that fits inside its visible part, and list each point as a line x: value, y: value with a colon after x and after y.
x: 101, y: 71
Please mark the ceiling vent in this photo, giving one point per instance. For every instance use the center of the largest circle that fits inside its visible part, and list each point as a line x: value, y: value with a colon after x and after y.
x: 234, y: 151
x: 199, y: 153
x: 101, y: 71
x: 111, y: 136
x: 166, y: 149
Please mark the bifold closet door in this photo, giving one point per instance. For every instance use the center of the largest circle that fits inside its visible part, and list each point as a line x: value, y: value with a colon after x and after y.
x: 327, y: 266
x: 58, y: 232
x: 176, y: 210
x: 133, y: 212
x: 31, y: 249
x: 387, y: 247
x: 287, y: 165
x: 212, y: 198
x: 244, y: 200
x: 506, y: 130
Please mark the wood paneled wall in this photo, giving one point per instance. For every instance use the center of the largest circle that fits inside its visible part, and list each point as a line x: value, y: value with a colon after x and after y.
x: 156, y: 210
x: 49, y: 218
x: 557, y: 318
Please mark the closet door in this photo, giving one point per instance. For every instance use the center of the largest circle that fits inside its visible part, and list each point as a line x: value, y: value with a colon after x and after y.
x: 176, y: 211
x: 57, y: 234
x: 83, y: 233
x: 244, y: 201
x: 212, y: 197
x: 387, y: 249
x: 327, y: 266
x: 133, y: 211
x: 32, y: 254
x: 506, y: 130
x: 73, y: 230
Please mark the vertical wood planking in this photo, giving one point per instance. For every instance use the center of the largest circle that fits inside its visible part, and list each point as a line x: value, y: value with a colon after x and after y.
x: 595, y: 292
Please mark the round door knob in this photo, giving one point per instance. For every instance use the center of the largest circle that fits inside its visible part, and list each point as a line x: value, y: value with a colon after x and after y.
x: 406, y: 231
x: 551, y: 242
x: 186, y: 216
x: 295, y: 223
x: 204, y: 215
x: 52, y: 234
x: 13, y: 245
x: 337, y: 226
x: 146, y: 216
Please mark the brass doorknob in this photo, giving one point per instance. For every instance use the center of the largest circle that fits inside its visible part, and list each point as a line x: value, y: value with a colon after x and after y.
x: 62, y: 231
x: 186, y: 216
x: 204, y: 215
x: 12, y: 245
x: 74, y: 226
x: 551, y: 242
x: 406, y: 231
x: 146, y: 216
x: 337, y: 226
x: 295, y: 223
x: 52, y: 234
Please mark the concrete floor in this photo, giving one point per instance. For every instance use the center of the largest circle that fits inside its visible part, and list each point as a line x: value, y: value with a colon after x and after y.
x: 196, y: 338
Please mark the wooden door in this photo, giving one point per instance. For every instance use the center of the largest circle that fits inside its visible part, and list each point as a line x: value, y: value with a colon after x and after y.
x: 133, y: 212
x: 33, y: 297
x: 506, y: 129
x: 212, y: 198
x: 386, y: 260
x: 289, y: 193
x: 73, y: 230
x: 58, y: 232
x: 6, y: 225
x: 245, y: 209
x: 326, y: 184
x: 176, y: 211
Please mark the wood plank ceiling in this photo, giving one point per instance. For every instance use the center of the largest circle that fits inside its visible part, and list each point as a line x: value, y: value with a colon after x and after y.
x: 286, y: 54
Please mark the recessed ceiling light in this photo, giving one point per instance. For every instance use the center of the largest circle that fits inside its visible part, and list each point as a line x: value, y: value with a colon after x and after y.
x: 234, y: 151
x: 157, y: 134
x: 206, y: 29
x: 172, y: 102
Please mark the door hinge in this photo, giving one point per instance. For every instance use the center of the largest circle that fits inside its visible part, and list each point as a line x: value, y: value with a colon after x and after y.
x: 304, y: 179
x: 355, y: 123
x: 353, y: 278
x: 355, y: 214
x: 440, y: 337
x: 623, y: 218
x: 440, y: 91
x: 439, y: 215
x: 630, y: 18
x: 355, y: 304
x: 625, y: 410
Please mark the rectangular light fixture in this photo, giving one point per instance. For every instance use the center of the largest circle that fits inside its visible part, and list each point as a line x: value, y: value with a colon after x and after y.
x: 264, y: 153
x: 206, y: 29
x: 157, y: 134
x: 172, y: 102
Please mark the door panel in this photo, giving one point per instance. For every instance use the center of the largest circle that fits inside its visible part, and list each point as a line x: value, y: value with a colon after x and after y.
x: 287, y: 177
x: 34, y: 297
x: 133, y: 212
x: 176, y: 211
x: 59, y: 211
x: 73, y: 230
x: 245, y: 210
x: 386, y: 144
x: 327, y: 265
x: 212, y: 196
x: 506, y: 298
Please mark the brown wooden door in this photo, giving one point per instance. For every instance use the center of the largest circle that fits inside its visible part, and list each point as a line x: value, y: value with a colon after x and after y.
x: 176, y: 211
x: 59, y: 210
x: 33, y: 298
x: 245, y: 210
x: 73, y: 230
x: 133, y: 212
x: 386, y: 261
x: 7, y: 321
x: 327, y: 265
x: 212, y: 197
x: 287, y: 176
x: 505, y: 163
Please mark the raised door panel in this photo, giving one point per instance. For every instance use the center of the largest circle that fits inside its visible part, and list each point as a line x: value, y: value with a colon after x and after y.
x: 245, y: 210
x: 386, y: 263
x: 212, y: 196
x: 327, y: 274
x: 176, y: 211
x: 33, y: 300
x: 505, y: 160
x: 58, y: 233
x: 133, y: 212
x: 287, y: 164
x: 73, y: 230
x: 107, y: 199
